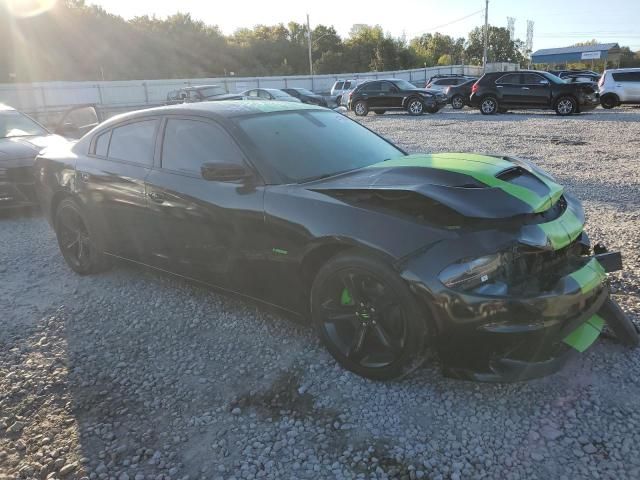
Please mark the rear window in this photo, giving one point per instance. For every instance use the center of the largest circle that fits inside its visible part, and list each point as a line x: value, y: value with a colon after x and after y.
x: 626, y: 76
x: 134, y: 142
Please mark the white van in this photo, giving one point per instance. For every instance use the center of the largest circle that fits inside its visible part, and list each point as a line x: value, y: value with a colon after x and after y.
x: 618, y: 86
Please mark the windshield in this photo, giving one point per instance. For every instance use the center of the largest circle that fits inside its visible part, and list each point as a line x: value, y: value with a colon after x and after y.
x: 304, y: 91
x: 212, y: 91
x: 305, y: 145
x: 404, y: 85
x: 552, y: 78
x: 15, y: 124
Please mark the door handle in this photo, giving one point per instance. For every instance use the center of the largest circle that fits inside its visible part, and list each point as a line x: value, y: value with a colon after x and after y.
x: 525, y: 88
x: 498, y: 86
x: 157, y: 197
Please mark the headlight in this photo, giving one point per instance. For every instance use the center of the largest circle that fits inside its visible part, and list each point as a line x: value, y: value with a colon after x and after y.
x: 469, y: 274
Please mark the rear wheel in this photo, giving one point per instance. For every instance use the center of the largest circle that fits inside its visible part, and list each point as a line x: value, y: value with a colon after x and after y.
x: 566, y: 106
x: 609, y: 101
x: 75, y: 239
x: 361, y: 108
x: 415, y: 106
x: 489, y: 106
x: 339, y: 100
x: 367, y: 317
x: 457, y: 102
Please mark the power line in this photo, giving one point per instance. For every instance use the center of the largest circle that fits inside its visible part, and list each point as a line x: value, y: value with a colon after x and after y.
x: 454, y: 21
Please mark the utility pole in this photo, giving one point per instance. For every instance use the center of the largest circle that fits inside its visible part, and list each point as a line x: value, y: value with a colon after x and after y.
x: 486, y: 36
x: 309, y: 42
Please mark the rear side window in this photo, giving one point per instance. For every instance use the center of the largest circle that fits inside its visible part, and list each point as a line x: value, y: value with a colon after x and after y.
x: 626, y: 76
x: 512, y: 78
x: 190, y: 143
x: 347, y: 85
x: 102, y: 144
x: 134, y: 142
x: 339, y: 85
x: 371, y: 87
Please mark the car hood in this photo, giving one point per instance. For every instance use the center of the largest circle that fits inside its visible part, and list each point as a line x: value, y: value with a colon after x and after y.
x: 477, y: 186
x: 26, y: 148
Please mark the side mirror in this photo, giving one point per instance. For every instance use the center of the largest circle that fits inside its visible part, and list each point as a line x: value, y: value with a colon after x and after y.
x: 223, y: 172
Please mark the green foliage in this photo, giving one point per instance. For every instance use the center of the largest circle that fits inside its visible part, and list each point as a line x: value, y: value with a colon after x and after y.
x: 500, y: 48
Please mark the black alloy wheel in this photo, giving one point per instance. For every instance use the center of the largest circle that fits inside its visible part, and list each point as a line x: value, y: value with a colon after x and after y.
x: 457, y: 102
x: 566, y: 106
x: 74, y: 239
x: 367, y: 317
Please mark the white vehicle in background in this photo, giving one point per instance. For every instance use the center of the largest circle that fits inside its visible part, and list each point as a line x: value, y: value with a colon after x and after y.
x: 619, y: 86
x: 342, y: 86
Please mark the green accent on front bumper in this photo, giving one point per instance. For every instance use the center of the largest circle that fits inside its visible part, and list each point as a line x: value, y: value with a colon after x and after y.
x: 589, y: 276
x: 280, y: 251
x: 484, y: 169
x: 345, y: 298
x: 587, y: 333
x: 563, y: 230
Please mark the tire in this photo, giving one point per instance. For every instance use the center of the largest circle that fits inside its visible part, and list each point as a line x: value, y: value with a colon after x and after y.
x: 457, y: 102
x: 339, y: 100
x: 415, y: 107
x: 380, y: 112
x: 432, y: 110
x: 566, y: 106
x: 361, y: 108
x: 609, y: 101
x: 367, y: 317
x: 489, y: 106
x: 77, y: 240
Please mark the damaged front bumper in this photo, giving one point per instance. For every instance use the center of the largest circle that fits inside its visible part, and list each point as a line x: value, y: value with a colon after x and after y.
x: 523, y: 331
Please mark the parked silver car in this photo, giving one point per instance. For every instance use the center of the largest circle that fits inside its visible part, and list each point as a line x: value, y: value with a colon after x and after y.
x: 269, y: 94
x: 619, y: 86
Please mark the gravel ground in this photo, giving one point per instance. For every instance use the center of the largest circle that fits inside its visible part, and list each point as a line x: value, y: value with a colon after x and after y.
x: 136, y: 375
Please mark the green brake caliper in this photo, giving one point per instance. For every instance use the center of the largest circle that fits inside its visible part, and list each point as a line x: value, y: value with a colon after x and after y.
x: 345, y: 298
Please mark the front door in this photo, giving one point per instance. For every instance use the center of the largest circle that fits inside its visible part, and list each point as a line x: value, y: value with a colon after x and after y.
x: 536, y: 90
x: 203, y: 229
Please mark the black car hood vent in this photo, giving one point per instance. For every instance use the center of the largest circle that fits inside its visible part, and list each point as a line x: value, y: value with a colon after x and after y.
x: 455, y: 190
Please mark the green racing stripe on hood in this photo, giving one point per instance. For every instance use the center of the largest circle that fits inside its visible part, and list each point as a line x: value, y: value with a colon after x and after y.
x: 484, y: 169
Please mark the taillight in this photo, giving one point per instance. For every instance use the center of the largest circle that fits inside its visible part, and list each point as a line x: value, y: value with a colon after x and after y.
x: 601, y: 81
x: 448, y: 89
x: 474, y: 88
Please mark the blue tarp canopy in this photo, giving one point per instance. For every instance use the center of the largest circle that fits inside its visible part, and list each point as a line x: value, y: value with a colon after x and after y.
x: 574, y: 54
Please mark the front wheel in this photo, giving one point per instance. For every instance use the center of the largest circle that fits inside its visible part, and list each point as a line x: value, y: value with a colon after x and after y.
x: 433, y: 109
x: 415, y: 107
x: 367, y: 317
x: 361, y: 108
x: 566, y: 106
x: 489, y: 106
x: 76, y: 240
x: 457, y: 102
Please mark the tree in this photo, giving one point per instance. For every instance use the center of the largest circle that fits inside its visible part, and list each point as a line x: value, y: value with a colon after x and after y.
x: 429, y: 48
x: 500, y: 48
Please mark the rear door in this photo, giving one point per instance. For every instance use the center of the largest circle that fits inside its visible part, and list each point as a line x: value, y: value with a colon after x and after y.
x: 203, y: 229
x: 509, y: 89
x: 628, y: 85
x: 110, y: 179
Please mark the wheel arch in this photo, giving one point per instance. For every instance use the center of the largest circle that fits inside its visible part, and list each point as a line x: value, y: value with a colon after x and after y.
x: 405, y: 102
x: 55, y: 201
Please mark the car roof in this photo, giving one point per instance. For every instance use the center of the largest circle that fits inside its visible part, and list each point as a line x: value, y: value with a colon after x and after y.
x: 629, y: 69
x: 219, y: 109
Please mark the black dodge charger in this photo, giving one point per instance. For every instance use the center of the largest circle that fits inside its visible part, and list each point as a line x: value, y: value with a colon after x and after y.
x: 482, y: 258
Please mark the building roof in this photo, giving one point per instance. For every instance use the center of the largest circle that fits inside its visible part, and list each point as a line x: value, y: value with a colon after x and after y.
x: 569, y: 54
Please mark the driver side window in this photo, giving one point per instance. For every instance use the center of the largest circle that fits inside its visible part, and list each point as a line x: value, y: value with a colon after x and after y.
x: 187, y: 144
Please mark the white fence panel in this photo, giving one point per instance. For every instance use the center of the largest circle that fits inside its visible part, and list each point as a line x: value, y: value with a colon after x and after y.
x: 48, y: 100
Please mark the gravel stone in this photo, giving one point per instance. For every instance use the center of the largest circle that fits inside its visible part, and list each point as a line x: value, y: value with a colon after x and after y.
x: 136, y: 374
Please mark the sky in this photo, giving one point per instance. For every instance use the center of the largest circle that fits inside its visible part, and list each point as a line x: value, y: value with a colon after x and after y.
x: 558, y: 23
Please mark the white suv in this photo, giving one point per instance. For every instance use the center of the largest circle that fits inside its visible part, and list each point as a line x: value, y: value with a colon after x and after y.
x: 342, y: 86
x: 619, y: 86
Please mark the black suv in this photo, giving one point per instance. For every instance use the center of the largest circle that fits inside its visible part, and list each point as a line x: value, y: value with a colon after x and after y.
x: 382, y: 95
x: 500, y: 91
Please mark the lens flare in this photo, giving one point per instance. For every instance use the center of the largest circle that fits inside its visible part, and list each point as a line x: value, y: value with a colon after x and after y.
x: 29, y: 8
